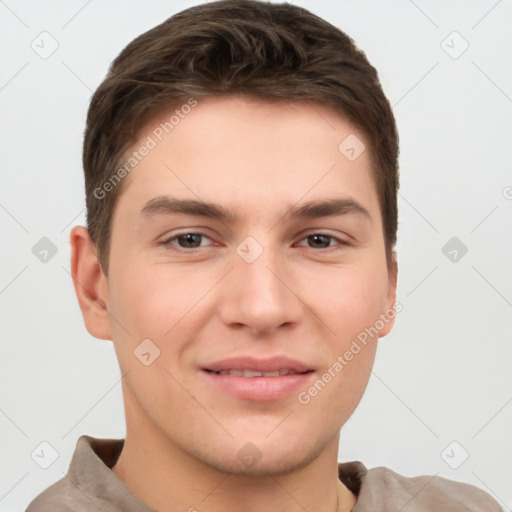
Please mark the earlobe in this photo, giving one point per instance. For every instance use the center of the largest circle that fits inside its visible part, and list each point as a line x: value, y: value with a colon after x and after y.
x: 90, y: 284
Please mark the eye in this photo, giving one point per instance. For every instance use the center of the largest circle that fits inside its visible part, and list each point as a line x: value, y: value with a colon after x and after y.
x: 323, y: 240
x: 193, y: 240
x: 185, y: 241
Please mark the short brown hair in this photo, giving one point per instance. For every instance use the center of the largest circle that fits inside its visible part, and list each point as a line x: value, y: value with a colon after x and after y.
x: 275, y: 52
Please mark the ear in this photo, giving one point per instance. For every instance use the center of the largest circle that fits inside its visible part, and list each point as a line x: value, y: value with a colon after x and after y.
x: 90, y: 284
x: 390, y: 310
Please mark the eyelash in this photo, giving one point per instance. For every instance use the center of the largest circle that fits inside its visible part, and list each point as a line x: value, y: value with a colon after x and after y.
x: 168, y: 242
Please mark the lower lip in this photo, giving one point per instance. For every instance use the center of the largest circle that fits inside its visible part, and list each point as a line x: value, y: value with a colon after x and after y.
x: 259, y: 388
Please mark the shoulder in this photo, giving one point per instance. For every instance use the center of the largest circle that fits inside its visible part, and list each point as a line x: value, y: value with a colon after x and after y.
x: 63, y: 496
x: 383, y: 489
x: 89, y: 484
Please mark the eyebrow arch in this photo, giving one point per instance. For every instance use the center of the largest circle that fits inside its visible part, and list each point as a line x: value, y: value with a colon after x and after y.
x: 326, y: 208
x: 310, y: 210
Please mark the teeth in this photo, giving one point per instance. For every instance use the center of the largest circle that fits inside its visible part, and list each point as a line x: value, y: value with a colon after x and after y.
x: 287, y: 372
x: 251, y: 373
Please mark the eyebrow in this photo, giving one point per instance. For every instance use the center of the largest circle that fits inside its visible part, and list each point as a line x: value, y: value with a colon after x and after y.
x: 309, y: 210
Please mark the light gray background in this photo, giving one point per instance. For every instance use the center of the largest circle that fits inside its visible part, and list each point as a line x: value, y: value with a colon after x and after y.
x: 443, y: 374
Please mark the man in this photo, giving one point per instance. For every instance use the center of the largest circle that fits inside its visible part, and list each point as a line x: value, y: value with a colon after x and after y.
x: 241, y: 179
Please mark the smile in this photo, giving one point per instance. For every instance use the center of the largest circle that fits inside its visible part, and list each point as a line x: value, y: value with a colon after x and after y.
x: 258, y: 380
x: 252, y: 373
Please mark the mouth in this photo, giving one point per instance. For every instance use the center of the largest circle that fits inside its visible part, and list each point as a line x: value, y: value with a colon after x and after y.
x: 252, y: 373
x: 258, y: 379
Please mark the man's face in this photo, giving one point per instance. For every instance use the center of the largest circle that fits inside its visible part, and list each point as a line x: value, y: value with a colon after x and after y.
x: 263, y: 291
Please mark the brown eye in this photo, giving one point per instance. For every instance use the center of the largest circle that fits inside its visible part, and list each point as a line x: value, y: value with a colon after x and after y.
x: 323, y: 241
x: 189, y: 240
x: 319, y: 241
x: 185, y: 241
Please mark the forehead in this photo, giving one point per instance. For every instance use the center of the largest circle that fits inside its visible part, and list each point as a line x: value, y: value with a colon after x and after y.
x: 241, y: 148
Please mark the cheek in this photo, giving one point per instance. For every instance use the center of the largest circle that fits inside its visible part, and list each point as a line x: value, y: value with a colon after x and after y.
x: 348, y: 299
x: 359, y: 298
x: 146, y: 298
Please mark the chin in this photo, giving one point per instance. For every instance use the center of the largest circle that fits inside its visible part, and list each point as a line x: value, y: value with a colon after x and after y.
x: 261, y: 458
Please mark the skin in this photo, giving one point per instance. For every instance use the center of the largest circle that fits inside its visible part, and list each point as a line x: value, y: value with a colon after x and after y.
x: 301, y: 297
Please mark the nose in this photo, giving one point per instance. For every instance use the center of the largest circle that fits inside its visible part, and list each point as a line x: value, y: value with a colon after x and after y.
x: 260, y: 296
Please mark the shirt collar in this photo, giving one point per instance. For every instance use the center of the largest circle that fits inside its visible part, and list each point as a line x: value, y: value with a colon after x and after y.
x: 91, y: 471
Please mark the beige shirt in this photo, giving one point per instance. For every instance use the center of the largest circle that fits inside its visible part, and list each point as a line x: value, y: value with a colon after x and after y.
x: 91, y: 486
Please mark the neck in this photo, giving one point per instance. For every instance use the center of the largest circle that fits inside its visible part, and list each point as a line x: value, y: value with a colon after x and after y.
x: 165, y: 477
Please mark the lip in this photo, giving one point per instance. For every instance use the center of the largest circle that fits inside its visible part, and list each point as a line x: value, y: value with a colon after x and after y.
x: 262, y: 388
x: 268, y: 364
